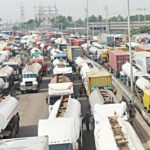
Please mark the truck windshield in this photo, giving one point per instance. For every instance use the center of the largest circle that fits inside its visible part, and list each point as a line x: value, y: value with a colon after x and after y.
x: 29, y: 76
x: 4, y: 78
x: 61, y: 147
x: 15, y: 67
x: 54, y: 99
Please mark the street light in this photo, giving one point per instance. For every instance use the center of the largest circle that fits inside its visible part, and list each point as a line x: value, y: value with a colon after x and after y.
x: 131, y: 69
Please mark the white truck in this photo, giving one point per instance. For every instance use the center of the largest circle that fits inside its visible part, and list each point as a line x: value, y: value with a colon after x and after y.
x: 6, y: 73
x: 56, y: 90
x: 15, y: 63
x: 9, y: 124
x: 31, y: 77
x: 26, y: 143
x: 63, y: 126
x: 142, y: 60
x: 112, y: 130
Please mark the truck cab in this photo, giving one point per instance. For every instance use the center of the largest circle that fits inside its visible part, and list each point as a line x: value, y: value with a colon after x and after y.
x: 29, y: 82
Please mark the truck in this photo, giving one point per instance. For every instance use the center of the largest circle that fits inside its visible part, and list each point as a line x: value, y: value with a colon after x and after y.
x: 31, y: 77
x: 87, y: 67
x: 112, y: 126
x: 9, y: 124
x: 56, y: 90
x: 72, y: 53
x: 16, y: 64
x: 67, y: 71
x: 142, y: 60
x: 40, y: 60
x: 2, y: 84
x: 26, y: 143
x: 6, y: 73
x: 116, y: 59
x: 63, y: 126
x: 35, y: 51
x: 99, y: 79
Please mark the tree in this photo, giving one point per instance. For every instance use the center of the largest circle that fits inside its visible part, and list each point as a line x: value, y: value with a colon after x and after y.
x: 100, y: 18
x: 92, y: 18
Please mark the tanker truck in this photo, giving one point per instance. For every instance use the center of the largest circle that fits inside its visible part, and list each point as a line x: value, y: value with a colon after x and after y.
x: 15, y: 63
x: 6, y: 73
x: 112, y: 129
x: 31, y: 77
x: 26, y: 143
x: 9, y: 124
x: 63, y: 126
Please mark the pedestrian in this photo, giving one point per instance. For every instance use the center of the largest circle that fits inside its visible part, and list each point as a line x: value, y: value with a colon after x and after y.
x: 87, y: 121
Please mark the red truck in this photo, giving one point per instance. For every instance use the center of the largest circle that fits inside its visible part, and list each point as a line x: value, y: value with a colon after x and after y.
x: 116, y: 59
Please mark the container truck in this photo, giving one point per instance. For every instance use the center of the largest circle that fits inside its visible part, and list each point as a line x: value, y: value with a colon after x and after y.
x: 16, y: 64
x: 142, y: 60
x: 6, y: 73
x: 112, y: 129
x: 9, y: 124
x: 116, y: 59
x: 26, y: 143
x: 31, y: 77
x: 72, y: 53
x: 99, y: 79
x: 63, y: 126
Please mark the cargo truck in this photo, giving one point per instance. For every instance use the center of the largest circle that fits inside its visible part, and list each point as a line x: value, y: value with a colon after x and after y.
x: 26, y: 143
x: 72, y: 53
x: 6, y: 73
x: 142, y: 60
x: 63, y: 126
x: 9, y: 124
x: 31, y: 77
x: 112, y: 129
x: 116, y: 59
x: 16, y: 64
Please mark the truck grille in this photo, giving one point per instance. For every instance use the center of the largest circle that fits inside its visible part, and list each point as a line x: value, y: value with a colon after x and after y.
x: 28, y: 83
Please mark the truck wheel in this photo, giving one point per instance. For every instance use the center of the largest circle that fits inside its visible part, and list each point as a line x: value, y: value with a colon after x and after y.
x: 22, y: 92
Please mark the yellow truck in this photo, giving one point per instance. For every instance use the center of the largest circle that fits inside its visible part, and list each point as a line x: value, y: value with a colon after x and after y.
x: 98, y: 79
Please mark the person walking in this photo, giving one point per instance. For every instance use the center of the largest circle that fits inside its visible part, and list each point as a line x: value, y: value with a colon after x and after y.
x: 87, y: 120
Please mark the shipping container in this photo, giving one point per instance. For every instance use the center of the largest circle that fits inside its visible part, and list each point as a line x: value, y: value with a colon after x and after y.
x: 142, y: 60
x: 74, y: 52
x: 98, y: 79
x: 116, y: 59
x: 139, y: 48
x: 146, y: 99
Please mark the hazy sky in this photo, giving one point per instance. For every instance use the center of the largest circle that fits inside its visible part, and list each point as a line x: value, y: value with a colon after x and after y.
x: 10, y: 9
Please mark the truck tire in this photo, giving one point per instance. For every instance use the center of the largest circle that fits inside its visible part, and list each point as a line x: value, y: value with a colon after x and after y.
x: 17, y: 128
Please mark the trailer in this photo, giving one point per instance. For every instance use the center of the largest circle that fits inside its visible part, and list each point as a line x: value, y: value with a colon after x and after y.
x: 26, y: 143
x: 111, y: 126
x: 31, y: 77
x: 63, y: 126
x: 16, y: 64
x: 6, y: 73
x: 9, y: 124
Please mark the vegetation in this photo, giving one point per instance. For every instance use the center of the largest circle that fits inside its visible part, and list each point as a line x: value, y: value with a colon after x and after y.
x: 144, y: 29
x: 64, y: 22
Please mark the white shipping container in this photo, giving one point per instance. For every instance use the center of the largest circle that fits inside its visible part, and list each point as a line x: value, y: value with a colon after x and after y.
x: 142, y: 60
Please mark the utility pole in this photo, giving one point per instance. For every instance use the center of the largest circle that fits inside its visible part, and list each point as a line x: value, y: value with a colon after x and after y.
x: 107, y: 22
x: 87, y: 24
x: 131, y: 69
x: 22, y: 16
